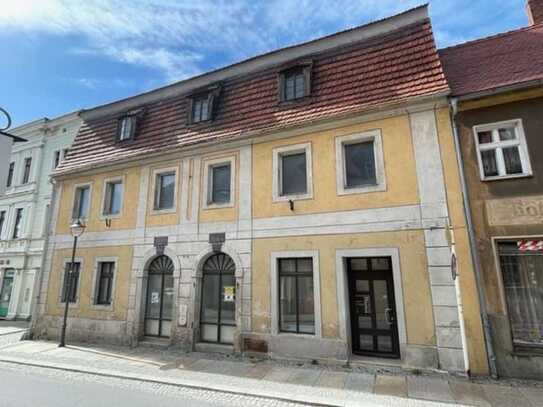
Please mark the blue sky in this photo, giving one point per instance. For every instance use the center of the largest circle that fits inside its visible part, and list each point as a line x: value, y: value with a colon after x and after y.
x: 62, y: 55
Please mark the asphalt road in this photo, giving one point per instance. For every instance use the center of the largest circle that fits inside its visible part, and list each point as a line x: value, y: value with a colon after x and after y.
x: 35, y: 387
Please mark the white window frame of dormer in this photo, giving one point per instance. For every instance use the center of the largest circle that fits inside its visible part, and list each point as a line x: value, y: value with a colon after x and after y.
x: 96, y: 275
x: 119, y: 179
x: 341, y: 169
x: 280, y: 152
x: 65, y: 261
x: 498, y: 145
x: 154, y: 174
x: 76, y: 186
x: 209, y: 164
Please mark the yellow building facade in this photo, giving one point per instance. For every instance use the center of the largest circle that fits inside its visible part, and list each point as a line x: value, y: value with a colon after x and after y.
x: 292, y: 257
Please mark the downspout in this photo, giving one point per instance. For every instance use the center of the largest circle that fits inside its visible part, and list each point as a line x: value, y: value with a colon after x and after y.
x: 460, y: 304
x: 473, y: 244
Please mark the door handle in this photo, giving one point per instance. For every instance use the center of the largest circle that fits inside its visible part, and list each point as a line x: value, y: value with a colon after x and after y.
x: 389, y: 316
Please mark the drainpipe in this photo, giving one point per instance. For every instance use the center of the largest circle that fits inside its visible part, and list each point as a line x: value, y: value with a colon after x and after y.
x: 473, y: 244
x: 460, y: 304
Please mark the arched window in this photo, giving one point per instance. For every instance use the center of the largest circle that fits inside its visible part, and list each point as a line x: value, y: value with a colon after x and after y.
x: 218, y: 315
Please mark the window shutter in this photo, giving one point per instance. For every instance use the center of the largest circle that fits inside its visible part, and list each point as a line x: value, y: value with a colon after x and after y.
x: 307, y: 79
x: 281, y: 85
x: 119, y: 127
x: 190, y: 103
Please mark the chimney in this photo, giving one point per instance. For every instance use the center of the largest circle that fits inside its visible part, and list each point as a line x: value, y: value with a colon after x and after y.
x: 534, y: 8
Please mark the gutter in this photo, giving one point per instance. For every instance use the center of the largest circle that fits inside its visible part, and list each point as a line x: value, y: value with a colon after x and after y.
x: 499, y: 90
x: 473, y: 245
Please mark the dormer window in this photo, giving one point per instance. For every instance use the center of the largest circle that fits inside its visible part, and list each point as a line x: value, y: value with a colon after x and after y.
x: 295, y: 83
x: 126, y: 128
x: 201, y: 106
x: 200, y: 109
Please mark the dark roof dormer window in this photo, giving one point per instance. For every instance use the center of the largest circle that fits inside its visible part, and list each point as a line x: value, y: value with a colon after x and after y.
x: 295, y: 82
x: 127, y: 125
x: 126, y: 128
x: 201, y: 106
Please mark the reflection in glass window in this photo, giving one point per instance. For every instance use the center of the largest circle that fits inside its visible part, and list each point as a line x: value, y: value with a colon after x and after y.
x: 296, y: 297
x: 359, y: 164
x: 522, y: 275
x: 293, y: 173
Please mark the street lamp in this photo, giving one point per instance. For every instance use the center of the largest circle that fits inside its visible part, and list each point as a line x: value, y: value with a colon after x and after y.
x: 76, y: 229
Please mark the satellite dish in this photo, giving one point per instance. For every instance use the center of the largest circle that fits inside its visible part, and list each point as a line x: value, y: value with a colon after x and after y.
x: 5, y: 120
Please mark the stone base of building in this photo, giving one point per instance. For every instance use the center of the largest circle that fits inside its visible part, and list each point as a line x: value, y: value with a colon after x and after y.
x: 511, y: 362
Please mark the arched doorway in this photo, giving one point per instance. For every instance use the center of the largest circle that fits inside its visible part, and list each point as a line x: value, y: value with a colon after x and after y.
x: 218, y: 310
x: 160, y: 297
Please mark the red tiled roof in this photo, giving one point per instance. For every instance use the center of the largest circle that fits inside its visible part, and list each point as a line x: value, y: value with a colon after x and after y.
x: 502, y: 60
x: 389, y: 68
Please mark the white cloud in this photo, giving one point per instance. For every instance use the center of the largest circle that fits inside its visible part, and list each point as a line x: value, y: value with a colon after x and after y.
x: 181, y: 38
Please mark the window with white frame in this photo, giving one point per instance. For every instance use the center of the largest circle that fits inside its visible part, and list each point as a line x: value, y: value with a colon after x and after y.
x: 219, y: 182
x: 56, y: 159
x: 501, y: 150
x: 11, y: 171
x: 17, y: 226
x: 81, y: 202
x: 219, y: 190
x: 2, y: 221
x: 113, y: 197
x: 359, y: 163
x: 292, y: 172
x: 26, y: 170
x: 165, y: 190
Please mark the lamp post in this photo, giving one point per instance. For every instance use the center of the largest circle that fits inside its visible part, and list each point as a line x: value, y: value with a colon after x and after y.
x: 76, y: 229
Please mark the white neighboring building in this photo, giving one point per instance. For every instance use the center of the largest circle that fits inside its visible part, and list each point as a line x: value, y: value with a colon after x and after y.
x: 24, y: 208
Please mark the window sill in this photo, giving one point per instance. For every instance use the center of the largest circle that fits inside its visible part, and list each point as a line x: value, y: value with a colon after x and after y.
x: 211, y: 206
x: 527, y: 350
x: 106, y: 217
x: 304, y: 100
x: 504, y: 177
x: 298, y: 197
x: 99, y: 307
x: 74, y: 305
x: 362, y: 189
x: 295, y: 335
x: 163, y: 211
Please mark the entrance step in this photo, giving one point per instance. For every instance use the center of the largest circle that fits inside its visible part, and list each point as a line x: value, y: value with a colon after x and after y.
x: 157, y: 343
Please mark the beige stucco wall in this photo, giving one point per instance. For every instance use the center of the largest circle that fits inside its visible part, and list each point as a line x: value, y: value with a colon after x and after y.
x: 84, y: 308
x: 94, y: 222
x: 415, y: 280
x: 399, y: 168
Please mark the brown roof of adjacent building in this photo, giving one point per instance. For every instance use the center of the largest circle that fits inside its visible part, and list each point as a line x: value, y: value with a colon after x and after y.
x: 491, y: 63
x: 393, y: 66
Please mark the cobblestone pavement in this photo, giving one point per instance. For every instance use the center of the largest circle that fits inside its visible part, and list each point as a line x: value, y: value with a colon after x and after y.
x: 264, y: 379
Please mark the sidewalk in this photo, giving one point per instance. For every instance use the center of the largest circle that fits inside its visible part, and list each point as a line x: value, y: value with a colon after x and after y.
x: 304, y: 383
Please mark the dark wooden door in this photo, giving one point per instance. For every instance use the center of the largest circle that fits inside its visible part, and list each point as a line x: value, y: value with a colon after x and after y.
x: 374, y: 326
